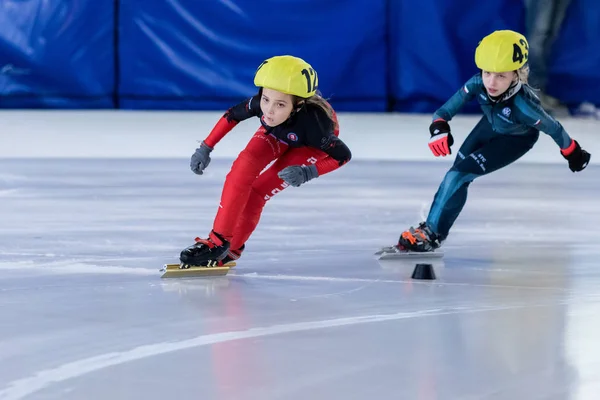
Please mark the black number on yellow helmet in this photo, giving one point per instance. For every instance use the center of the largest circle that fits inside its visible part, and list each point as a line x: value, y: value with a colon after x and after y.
x: 517, y: 54
x: 308, y: 74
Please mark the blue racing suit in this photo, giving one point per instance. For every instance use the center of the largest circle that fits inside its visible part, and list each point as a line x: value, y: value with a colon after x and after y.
x: 509, y: 129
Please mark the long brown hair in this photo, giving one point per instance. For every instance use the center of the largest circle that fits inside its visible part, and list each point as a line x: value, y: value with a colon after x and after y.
x: 318, y: 101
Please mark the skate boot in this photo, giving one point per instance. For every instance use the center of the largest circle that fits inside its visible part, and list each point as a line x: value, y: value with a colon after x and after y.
x: 420, y: 239
x: 205, y: 251
x: 231, y: 255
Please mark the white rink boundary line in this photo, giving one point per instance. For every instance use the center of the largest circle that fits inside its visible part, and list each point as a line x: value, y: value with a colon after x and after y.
x: 22, y: 388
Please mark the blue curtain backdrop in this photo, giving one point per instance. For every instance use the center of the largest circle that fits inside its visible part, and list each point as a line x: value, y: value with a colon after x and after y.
x: 375, y: 55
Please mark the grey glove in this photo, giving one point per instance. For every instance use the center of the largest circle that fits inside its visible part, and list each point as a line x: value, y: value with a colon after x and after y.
x: 201, y: 158
x: 296, y: 175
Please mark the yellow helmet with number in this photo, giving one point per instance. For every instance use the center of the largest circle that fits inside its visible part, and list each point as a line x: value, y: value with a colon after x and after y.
x: 287, y: 74
x: 502, y: 51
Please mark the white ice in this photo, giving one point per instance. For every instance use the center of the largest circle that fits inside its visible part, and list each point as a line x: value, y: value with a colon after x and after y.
x: 308, y: 313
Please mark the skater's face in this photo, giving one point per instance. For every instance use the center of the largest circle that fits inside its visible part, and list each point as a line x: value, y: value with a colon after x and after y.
x: 276, y: 106
x: 496, y: 83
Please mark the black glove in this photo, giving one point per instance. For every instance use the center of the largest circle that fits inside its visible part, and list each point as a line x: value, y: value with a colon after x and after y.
x: 577, y: 157
x: 200, y: 159
x: 296, y: 175
x: 441, y: 138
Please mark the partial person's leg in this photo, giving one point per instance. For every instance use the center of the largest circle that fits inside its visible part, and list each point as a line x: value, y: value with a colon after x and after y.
x: 539, y: 24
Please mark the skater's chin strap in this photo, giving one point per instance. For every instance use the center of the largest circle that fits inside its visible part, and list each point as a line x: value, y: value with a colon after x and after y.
x: 510, y: 92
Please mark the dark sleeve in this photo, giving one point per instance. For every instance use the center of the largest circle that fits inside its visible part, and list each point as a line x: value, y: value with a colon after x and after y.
x: 336, y: 149
x: 320, y: 135
x: 246, y: 109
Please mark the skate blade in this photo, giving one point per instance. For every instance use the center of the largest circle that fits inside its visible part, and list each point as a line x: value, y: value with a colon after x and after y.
x: 393, y: 253
x: 388, y: 249
x: 174, y: 271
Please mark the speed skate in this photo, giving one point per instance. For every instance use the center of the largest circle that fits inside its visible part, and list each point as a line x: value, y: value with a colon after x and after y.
x: 177, y: 271
x: 393, y: 253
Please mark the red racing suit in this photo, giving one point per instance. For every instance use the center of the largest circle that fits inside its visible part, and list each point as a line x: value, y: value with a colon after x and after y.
x: 307, y: 137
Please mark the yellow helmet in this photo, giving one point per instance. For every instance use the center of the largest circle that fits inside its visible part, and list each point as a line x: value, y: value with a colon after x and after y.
x: 287, y: 74
x: 502, y: 51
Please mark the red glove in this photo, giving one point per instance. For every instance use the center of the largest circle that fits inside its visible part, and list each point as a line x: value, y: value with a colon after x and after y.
x: 441, y: 138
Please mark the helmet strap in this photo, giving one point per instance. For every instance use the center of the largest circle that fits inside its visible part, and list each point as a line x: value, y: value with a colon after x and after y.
x: 301, y: 104
x: 298, y: 107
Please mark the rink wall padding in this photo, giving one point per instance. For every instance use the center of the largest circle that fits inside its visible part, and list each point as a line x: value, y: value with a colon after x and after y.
x: 176, y: 134
x: 186, y: 54
x: 377, y: 55
x: 57, y: 54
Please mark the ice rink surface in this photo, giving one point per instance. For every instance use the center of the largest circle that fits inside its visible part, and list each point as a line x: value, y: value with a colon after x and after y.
x: 308, y: 313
